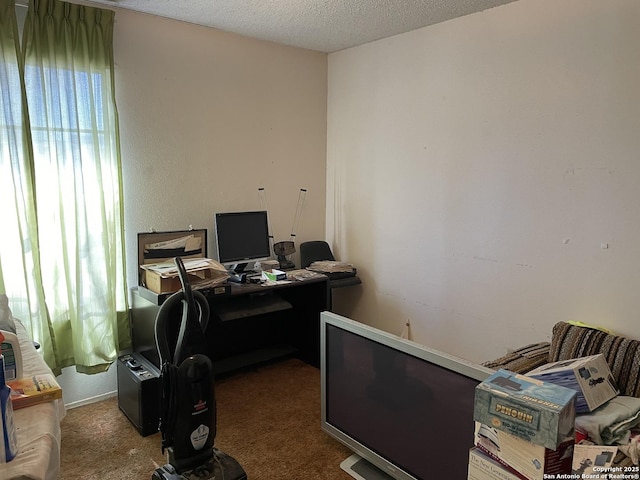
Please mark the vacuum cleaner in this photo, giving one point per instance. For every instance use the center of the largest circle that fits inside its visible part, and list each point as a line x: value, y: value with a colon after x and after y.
x: 188, y: 405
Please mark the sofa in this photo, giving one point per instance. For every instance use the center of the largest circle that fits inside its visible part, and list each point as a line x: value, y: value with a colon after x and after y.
x: 37, y: 426
x: 568, y: 341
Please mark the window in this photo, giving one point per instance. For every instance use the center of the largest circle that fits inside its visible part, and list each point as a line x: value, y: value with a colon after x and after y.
x: 62, y: 258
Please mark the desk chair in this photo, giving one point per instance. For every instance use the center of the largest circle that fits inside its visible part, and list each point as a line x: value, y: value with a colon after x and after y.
x: 318, y: 250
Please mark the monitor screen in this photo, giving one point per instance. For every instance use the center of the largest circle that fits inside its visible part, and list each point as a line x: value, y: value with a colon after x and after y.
x: 241, y: 237
x: 405, y: 408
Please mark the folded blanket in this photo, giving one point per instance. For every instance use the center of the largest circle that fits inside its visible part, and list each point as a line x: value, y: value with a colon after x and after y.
x: 611, y: 423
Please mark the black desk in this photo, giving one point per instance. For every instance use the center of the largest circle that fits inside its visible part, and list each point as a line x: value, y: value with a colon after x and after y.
x: 249, y: 323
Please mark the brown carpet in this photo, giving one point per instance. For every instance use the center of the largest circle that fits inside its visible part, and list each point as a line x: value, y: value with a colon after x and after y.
x: 268, y: 420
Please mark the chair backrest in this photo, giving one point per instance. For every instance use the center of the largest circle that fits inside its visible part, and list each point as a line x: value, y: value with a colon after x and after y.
x: 314, y: 251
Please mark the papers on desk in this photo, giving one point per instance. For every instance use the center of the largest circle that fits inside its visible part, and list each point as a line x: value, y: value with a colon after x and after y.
x: 271, y: 283
x: 187, y: 243
x: 302, y: 274
x: 168, y: 269
x: 163, y: 277
x: 292, y: 276
x: 328, y: 266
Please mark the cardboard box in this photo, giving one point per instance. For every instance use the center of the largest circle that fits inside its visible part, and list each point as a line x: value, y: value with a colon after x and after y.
x: 589, y: 376
x: 29, y: 391
x: 160, y: 247
x: 156, y: 253
x: 274, y: 275
x: 530, y: 460
x: 539, y: 412
x: 163, y: 277
x: 482, y: 467
x: 595, y: 461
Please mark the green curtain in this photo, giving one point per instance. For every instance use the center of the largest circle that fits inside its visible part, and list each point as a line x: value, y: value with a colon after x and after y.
x: 75, y: 174
x: 19, y: 258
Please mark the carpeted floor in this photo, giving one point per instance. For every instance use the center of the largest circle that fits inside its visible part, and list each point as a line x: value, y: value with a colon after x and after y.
x: 268, y: 420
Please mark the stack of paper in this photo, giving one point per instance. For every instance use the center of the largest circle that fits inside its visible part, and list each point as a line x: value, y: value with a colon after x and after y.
x: 202, y: 272
x: 302, y: 274
x: 186, y: 246
x: 169, y: 268
x: 328, y: 266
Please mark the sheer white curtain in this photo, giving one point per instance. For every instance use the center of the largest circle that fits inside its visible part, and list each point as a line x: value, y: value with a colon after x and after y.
x: 71, y: 165
x: 19, y: 259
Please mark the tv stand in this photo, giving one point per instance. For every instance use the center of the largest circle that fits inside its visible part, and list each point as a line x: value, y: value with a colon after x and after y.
x: 361, y: 469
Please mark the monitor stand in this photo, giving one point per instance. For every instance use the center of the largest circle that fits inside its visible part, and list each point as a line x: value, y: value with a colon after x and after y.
x: 239, y: 267
x: 359, y: 468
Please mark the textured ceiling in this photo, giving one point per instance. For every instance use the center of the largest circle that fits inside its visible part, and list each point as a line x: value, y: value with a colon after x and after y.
x: 323, y: 25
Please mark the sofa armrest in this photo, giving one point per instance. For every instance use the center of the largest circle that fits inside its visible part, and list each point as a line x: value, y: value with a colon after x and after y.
x: 522, y: 360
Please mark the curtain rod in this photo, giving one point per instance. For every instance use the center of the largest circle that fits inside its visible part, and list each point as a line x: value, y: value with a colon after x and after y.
x: 25, y: 3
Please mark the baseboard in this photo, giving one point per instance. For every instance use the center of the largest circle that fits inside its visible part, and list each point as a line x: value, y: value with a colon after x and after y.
x: 88, y: 401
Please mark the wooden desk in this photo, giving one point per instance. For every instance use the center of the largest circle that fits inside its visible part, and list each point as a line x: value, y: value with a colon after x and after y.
x: 248, y: 325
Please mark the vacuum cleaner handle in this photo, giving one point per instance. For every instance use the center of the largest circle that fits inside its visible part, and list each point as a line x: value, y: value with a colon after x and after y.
x: 186, y: 288
x: 189, y: 341
x: 192, y: 326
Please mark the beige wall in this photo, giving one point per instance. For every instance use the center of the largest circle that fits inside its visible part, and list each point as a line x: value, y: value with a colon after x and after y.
x: 477, y: 168
x: 207, y: 118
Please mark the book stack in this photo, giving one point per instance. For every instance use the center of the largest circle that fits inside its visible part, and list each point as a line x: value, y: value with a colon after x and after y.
x: 33, y: 390
x: 524, y: 459
x: 483, y: 467
x: 524, y: 428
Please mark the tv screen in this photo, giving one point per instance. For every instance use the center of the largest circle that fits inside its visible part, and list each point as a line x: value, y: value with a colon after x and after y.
x: 403, y: 407
x: 242, y: 237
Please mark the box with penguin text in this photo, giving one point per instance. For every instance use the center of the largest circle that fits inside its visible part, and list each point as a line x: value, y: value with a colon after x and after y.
x: 538, y: 412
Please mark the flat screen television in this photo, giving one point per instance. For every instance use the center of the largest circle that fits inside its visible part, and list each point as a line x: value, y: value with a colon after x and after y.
x: 241, y: 238
x: 405, y: 410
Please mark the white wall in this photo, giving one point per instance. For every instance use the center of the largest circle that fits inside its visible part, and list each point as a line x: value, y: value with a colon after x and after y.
x: 207, y: 118
x: 477, y: 168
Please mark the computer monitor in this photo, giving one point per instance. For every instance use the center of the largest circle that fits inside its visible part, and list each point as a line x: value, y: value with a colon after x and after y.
x: 241, y: 238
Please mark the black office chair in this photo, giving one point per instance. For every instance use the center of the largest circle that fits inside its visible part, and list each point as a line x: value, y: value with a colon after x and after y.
x: 318, y: 250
